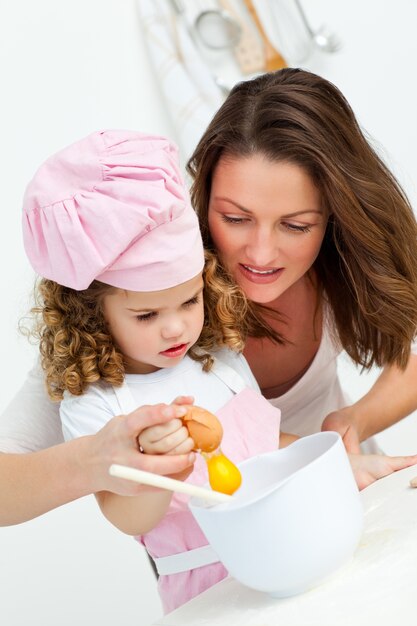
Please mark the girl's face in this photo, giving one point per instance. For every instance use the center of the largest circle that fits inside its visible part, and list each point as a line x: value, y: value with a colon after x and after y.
x: 267, y: 223
x: 155, y: 329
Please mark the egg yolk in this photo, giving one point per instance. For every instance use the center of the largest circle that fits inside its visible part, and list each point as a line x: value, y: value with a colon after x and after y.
x: 224, y: 476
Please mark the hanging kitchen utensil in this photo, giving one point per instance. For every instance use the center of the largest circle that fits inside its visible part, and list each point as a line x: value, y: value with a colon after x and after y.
x: 217, y: 29
x: 273, y: 59
x: 323, y: 40
x: 248, y: 51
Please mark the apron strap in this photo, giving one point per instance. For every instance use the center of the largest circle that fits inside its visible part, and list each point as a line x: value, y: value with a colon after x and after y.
x: 230, y: 377
x: 185, y: 561
x: 125, y: 398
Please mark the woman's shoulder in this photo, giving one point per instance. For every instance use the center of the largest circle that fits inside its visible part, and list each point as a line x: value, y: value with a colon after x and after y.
x: 30, y: 422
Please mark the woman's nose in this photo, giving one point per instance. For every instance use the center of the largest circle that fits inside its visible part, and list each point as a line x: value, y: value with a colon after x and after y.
x: 262, y: 249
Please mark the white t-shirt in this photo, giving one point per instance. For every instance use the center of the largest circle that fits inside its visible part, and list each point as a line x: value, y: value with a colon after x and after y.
x: 86, y: 414
x: 31, y: 421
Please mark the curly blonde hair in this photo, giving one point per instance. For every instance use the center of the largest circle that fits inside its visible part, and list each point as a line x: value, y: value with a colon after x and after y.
x: 77, y: 348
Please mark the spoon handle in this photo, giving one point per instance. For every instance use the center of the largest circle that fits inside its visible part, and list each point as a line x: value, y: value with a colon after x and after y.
x: 248, y: 51
x: 273, y: 59
x: 304, y: 18
x: 163, y: 482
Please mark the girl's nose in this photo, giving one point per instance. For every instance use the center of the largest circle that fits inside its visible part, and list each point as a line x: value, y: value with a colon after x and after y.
x: 173, y: 328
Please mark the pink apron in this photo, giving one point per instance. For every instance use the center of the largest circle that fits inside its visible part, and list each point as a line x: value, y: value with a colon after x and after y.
x: 186, y: 564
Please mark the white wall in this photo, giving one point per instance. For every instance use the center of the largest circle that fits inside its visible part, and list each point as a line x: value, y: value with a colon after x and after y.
x: 68, y: 68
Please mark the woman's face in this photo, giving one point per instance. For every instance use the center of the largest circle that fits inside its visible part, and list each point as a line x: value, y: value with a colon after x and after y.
x: 267, y: 223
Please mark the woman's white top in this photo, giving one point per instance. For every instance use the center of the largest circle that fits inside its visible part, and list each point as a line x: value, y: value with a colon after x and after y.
x: 31, y: 421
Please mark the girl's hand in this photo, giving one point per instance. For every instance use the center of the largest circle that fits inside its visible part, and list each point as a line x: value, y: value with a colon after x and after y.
x: 368, y: 468
x: 171, y: 437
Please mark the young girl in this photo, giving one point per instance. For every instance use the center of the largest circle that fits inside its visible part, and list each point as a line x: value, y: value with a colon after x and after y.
x: 109, y: 227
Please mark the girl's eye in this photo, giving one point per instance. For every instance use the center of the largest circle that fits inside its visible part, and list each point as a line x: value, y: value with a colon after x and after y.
x: 233, y: 220
x: 145, y: 317
x: 194, y: 300
x: 298, y: 228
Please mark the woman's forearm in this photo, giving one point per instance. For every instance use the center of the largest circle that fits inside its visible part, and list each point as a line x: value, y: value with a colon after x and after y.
x: 35, y: 483
x: 392, y: 397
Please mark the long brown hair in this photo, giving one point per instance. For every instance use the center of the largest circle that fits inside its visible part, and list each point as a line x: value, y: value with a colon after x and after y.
x: 367, y: 265
x: 77, y: 348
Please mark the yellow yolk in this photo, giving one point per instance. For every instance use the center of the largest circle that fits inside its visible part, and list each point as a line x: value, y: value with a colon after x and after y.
x: 224, y: 476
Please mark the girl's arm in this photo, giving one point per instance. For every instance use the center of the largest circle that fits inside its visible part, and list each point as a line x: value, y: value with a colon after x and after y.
x: 32, y: 484
x: 138, y: 515
x: 392, y: 397
x: 134, y: 515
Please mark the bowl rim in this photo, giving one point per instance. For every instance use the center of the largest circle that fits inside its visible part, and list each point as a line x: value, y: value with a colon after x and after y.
x: 236, y: 503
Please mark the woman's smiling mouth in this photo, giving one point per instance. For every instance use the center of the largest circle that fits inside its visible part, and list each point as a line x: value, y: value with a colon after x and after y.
x: 260, y: 275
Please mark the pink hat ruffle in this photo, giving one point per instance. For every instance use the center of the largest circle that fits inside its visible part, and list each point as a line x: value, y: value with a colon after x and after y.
x: 112, y: 207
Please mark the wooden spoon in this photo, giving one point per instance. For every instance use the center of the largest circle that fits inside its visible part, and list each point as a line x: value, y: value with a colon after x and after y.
x: 248, y: 51
x: 273, y: 59
x: 164, y: 482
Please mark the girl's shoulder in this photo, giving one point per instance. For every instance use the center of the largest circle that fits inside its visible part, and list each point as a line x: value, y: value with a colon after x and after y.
x: 99, y: 392
x: 87, y: 413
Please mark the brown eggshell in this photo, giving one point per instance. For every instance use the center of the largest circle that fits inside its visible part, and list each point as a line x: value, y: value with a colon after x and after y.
x: 204, y: 428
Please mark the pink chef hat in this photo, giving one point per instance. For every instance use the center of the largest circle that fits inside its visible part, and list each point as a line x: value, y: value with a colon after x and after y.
x: 112, y: 207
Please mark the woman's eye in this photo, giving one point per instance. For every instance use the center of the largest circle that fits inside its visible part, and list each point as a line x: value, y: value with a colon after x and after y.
x: 192, y: 301
x: 297, y: 227
x: 233, y: 220
x: 145, y: 317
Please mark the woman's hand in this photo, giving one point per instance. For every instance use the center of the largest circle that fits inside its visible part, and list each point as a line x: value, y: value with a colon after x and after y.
x: 32, y: 484
x: 343, y: 422
x: 118, y: 442
x: 368, y: 468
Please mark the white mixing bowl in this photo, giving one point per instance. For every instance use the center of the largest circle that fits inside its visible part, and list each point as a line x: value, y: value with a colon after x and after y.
x: 296, y: 518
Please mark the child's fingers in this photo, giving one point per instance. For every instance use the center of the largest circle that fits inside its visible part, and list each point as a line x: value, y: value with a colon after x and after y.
x: 156, y: 433
x: 183, y: 448
x: 166, y: 444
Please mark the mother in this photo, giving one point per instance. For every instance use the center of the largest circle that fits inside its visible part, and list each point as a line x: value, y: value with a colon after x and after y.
x: 314, y: 228
x: 310, y: 223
